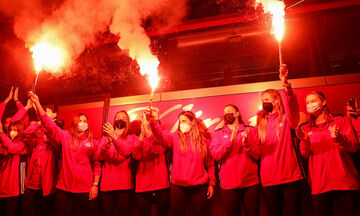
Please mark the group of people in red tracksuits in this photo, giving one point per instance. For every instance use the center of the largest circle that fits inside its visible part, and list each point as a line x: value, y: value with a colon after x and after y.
x: 46, y: 170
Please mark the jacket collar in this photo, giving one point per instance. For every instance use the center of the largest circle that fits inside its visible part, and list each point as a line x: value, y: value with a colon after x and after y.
x: 240, y: 128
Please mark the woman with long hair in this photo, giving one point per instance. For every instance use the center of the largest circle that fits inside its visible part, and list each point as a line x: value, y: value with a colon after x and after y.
x: 80, y: 171
x: 236, y: 148
x: 116, y: 183
x: 152, y: 176
x: 10, y: 182
x: 11, y: 149
x: 42, y: 172
x: 193, y: 171
x: 327, y: 141
x: 280, y: 171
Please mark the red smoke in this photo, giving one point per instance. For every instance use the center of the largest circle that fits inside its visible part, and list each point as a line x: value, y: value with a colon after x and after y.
x: 73, y: 24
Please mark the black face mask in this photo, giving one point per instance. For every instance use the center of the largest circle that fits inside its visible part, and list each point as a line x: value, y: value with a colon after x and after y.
x: 120, y: 123
x: 268, y: 106
x: 229, y: 118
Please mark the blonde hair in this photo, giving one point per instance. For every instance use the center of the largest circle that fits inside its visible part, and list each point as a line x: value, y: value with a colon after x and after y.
x: 74, y: 131
x: 321, y: 96
x: 198, y: 134
x: 261, y: 120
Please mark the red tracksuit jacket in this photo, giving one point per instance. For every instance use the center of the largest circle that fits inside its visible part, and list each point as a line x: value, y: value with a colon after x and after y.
x: 10, y: 166
x: 78, y: 167
x: 330, y: 166
x: 239, y: 168
x: 152, y: 171
x: 356, y: 125
x: 116, y: 170
x: 278, y: 160
x: 10, y: 160
x: 188, y: 168
x: 45, y: 154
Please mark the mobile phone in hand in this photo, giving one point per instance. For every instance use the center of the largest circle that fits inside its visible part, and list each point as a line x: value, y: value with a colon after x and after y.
x: 352, y: 103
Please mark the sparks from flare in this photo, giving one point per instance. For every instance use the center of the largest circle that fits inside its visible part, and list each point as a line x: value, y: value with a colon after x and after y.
x: 277, y: 9
x: 149, y: 68
x: 48, y: 57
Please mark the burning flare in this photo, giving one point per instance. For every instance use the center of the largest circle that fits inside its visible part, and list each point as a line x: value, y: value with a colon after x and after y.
x: 47, y: 56
x: 277, y: 9
x: 149, y: 68
x: 278, y: 20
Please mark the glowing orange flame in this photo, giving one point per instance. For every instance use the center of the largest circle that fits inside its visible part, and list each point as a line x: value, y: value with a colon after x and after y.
x: 278, y: 20
x: 48, y: 56
x: 277, y: 10
x: 149, y: 67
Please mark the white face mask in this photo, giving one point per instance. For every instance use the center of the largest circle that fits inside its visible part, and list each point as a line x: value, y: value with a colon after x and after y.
x: 184, y: 127
x: 313, y: 107
x: 82, y: 126
x: 13, y: 134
